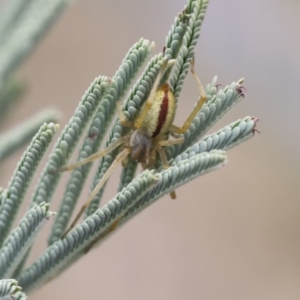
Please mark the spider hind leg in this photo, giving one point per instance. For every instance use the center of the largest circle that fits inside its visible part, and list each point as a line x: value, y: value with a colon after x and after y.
x: 197, y: 108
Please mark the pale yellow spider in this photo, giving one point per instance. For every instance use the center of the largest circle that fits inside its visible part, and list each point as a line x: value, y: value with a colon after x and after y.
x: 148, y: 133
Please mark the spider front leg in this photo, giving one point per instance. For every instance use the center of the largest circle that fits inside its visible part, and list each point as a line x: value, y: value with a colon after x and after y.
x: 95, y: 156
x: 199, y: 105
x: 105, y: 151
x: 120, y: 157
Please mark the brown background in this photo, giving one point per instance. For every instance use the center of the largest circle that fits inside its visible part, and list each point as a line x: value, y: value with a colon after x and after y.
x: 233, y: 234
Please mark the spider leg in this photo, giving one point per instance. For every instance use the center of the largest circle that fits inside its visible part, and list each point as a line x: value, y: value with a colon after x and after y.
x: 175, y: 135
x: 166, y: 165
x: 165, y: 143
x: 112, y: 227
x: 97, y: 155
x: 122, y: 155
x: 151, y: 160
x: 139, y: 121
x: 122, y: 117
x: 196, y: 109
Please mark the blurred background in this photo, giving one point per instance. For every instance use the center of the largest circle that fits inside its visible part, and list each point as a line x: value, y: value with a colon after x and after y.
x: 240, y: 234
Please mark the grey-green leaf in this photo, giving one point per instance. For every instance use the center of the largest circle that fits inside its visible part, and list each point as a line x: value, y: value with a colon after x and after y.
x: 195, y: 10
x: 21, y: 134
x: 60, y: 253
x: 69, y: 139
x: 27, y: 25
x: 224, y: 139
x: 22, y: 177
x: 9, y: 289
x: 217, y: 104
x: 21, y: 238
x: 178, y: 174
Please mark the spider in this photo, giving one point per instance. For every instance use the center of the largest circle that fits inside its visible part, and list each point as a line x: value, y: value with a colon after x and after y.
x: 148, y: 134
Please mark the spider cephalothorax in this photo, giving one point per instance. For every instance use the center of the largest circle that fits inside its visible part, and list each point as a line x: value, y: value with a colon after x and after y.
x: 141, y: 146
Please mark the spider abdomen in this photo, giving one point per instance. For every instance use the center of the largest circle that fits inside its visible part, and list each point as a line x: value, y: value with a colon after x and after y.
x: 161, y: 114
